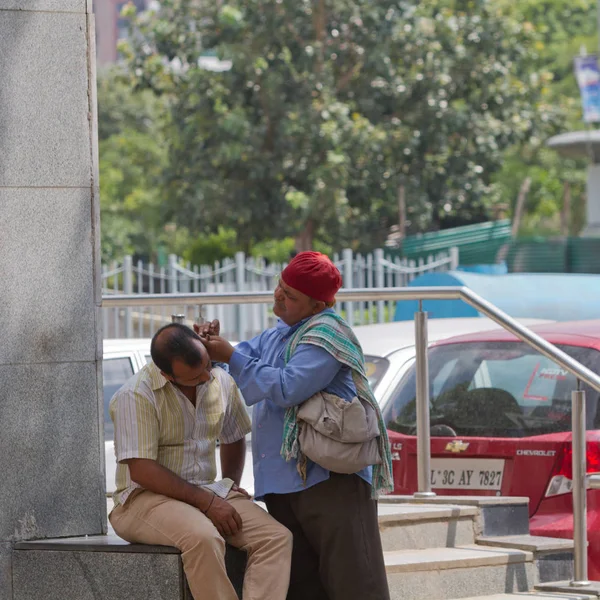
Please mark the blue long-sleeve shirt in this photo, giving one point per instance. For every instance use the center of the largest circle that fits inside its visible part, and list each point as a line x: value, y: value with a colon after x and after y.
x: 271, y: 386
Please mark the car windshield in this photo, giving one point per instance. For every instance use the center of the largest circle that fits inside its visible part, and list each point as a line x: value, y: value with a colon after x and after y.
x: 376, y: 367
x: 494, y: 389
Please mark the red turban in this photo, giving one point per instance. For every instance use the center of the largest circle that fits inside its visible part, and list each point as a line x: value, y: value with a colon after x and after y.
x: 313, y: 274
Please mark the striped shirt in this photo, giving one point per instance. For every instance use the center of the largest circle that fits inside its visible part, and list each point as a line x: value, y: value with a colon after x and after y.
x: 153, y: 419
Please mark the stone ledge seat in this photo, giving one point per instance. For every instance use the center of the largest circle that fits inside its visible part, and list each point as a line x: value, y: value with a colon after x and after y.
x: 99, y: 567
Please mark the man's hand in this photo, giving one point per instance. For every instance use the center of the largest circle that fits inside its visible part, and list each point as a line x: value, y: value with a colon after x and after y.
x: 233, y: 459
x: 224, y: 517
x: 158, y: 479
x: 237, y: 488
x: 220, y: 349
x: 208, y: 329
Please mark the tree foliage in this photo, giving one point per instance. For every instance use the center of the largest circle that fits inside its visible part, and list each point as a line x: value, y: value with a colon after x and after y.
x: 328, y: 107
x: 263, y: 124
x: 564, y: 28
x: 132, y: 164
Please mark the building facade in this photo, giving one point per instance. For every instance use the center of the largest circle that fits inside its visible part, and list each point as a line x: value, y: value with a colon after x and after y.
x: 110, y: 28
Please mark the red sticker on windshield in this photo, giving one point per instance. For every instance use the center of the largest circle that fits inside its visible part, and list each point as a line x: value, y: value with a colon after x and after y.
x: 545, y: 374
x: 526, y: 393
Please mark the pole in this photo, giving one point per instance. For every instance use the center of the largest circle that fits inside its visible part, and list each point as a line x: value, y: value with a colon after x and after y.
x: 347, y: 279
x: 172, y: 274
x: 423, y: 429
x: 379, y: 281
x: 128, y: 287
x: 240, y: 286
x: 580, y: 567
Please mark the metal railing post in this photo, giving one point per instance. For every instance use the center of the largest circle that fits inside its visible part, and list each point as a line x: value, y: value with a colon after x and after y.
x: 454, y: 258
x: 347, y: 279
x: 379, y: 281
x: 240, y: 286
x: 422, y: 400
x: 172, y: 274
x: 580, y: 567
x: 128, y: 288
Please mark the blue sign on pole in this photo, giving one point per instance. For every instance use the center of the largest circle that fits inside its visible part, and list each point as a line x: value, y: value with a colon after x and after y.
x: 588, y: 79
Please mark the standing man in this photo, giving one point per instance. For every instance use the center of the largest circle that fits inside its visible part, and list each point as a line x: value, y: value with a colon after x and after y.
x: 167, y: 419
x: 337, y: 548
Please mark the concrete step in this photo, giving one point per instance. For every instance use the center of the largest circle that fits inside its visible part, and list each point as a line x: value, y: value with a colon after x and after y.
x: 420, y: 526
x: 531, y: 543
x: 451, y: 573
x: 560, y: 588
x: 553, y: 557
x: 498, y: 515
x: 531, y: 596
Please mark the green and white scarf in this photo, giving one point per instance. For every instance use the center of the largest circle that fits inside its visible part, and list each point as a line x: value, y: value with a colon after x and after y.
x: 329, y: 331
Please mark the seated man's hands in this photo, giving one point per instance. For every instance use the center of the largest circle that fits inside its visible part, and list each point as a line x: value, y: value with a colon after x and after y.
x: 220, y: 349
x: 237, y: 488
x: 158, y: 479
x: 207, y: 329
x: 224, y: 517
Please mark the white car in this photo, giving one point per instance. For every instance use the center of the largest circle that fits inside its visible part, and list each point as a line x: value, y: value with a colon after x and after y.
x: 389, y: 350
x: 121, y: 360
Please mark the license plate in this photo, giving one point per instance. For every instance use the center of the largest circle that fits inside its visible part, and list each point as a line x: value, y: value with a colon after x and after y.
x: 467, y: 473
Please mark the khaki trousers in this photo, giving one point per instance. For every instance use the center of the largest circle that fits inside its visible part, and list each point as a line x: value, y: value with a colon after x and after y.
x: 149, y: 518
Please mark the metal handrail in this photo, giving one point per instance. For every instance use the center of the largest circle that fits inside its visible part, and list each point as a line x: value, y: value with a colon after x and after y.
x: 372, y: 294
x: 582, y: 373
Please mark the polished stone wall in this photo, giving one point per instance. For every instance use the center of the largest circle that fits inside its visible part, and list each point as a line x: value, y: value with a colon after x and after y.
x: 51, y: 453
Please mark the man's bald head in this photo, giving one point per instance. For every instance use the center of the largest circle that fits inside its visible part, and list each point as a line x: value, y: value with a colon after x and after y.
x: 177, y: 342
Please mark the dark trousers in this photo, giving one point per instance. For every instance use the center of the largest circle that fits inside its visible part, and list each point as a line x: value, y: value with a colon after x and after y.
x: 337, y: 552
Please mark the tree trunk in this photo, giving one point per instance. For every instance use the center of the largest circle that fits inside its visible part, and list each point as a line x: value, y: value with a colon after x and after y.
x: 304, y: 239
x: 565, y: 213
x: 402, y: 211
x: 520, y: 205
x: 320, y: 27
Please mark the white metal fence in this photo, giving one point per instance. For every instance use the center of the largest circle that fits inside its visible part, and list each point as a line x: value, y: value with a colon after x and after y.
x: 246, y: 274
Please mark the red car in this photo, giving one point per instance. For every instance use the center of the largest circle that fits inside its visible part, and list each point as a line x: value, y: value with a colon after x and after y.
x: 501, y: 424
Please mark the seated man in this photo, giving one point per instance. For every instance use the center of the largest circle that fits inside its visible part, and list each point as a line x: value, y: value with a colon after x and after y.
x: 167, y: 420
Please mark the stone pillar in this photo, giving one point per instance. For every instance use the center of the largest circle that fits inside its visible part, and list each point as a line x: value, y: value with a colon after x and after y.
x: 51, y: 449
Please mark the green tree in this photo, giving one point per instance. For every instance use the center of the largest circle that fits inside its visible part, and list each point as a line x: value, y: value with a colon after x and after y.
x: 133, y: 154
x: 325, y: 109
x: 564, y: 27
x: 119, y: 108
x: 131, y: 165
x: 552, y: 179
x: 206, y: 249
x: 460, y: 84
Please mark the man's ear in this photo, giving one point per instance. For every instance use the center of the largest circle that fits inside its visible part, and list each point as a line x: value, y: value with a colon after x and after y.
x: 320, y: 306
x: 166, y: 376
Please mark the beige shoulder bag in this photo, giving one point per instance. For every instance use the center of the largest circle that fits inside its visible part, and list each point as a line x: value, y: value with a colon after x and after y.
x: 340, y: 436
